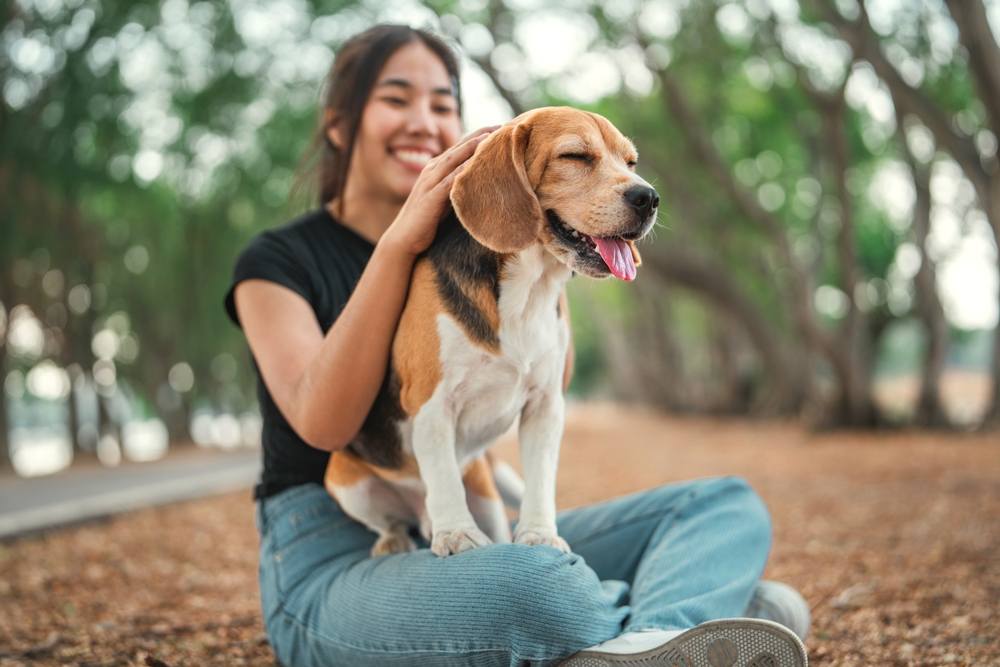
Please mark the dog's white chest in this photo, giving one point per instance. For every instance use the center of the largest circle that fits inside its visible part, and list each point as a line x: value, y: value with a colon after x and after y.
x: 482, y: 392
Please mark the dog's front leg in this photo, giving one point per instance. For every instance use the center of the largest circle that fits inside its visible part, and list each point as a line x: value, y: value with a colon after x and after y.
x: 454, y: 530
x: 540, y: 433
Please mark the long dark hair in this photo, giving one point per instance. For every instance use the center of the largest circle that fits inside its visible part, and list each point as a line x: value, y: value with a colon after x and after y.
x: 346, y: 90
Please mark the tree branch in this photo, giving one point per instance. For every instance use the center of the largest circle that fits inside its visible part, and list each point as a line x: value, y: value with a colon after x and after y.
x: 930, y: 411
x: 516, y: 105
x: 698, y: 138
x: 984, y: 53
x: 865, y: 45
x: 712, y: 280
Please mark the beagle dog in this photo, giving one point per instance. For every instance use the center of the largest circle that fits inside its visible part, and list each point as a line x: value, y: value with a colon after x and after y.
x: 482, y: 339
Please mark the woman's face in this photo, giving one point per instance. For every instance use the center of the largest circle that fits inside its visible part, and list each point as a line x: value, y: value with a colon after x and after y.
x: 411, y: 116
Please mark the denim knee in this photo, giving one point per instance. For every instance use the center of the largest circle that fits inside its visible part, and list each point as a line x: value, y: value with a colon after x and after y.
x: 735, y: 495
x: 555, y: 600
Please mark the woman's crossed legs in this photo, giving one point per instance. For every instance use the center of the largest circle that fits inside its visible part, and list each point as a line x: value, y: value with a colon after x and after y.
x: 671, y: 557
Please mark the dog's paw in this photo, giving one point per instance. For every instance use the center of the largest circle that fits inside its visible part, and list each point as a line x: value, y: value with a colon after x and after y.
x: 395, y: 542
x: 540, y: 536
x: 447, y: 542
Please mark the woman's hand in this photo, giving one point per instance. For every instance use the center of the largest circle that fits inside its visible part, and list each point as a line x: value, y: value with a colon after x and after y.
x: 417, y: 221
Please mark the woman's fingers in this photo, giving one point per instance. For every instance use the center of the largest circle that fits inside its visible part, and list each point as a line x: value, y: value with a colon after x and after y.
x: 418, y: 218
x: 476, y: 133
x: 446, y: 182
x: 462, y: 150
x: 456, y: 156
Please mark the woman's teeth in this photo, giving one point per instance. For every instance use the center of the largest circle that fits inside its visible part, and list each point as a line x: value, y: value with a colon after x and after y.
x: 413, y: 157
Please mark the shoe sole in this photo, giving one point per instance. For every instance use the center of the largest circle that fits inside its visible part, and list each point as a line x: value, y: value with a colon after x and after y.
x: 726, y: 643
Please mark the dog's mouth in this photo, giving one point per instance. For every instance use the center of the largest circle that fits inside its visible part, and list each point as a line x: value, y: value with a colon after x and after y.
x: 616, y: 254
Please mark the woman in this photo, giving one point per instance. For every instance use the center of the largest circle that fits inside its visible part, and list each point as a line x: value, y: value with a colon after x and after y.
x: 319, y: 300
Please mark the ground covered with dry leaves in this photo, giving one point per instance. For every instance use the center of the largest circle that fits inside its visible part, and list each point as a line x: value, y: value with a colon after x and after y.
x: 893, y: 538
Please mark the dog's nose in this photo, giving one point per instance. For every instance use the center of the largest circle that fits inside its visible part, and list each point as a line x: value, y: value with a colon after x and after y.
x: 643, y: 199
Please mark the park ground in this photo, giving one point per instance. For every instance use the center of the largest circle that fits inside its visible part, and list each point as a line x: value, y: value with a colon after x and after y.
x: 893, y: 538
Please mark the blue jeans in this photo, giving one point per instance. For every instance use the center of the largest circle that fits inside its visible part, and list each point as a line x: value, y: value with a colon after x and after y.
x: 670, y: 557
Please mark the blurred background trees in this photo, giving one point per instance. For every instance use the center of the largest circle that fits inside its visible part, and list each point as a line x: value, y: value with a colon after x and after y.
x: 828, y: 172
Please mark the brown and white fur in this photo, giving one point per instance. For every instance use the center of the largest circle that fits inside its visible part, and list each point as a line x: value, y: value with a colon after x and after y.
x: 482, y: 340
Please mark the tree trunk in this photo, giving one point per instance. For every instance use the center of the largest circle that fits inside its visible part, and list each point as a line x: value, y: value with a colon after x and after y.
x: 5, y: 461
x: 662, y: 372
x: 991, y: 420
x: 638, y: 352
x: 799, y: 287
x: 851, y: 349
x: 783, y: 380
x: 733, y: 389
x: 855, y: 336
x: 83, y: 449
x: 621, y: 362
x: 106, y: 423
x: 176, y: 416
x: 74, y: 412
x: 7, y: 303
x: 786, y: 383
x: 989, y: 197
x: 984, y: 54
x: 178, y: 424
x: 984, y: 63
x: 930, y: 410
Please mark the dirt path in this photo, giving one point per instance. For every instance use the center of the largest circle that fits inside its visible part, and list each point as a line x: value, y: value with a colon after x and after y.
x: 893, y: 539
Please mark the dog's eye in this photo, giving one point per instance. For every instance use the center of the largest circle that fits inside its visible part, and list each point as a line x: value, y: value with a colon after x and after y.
x: 582, y: 157
x: 631, y: 164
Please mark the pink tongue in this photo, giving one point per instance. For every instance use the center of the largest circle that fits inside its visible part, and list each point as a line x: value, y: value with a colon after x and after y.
x: 618, y: 256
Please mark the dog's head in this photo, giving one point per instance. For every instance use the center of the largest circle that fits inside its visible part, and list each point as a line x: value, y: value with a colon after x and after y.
x: 563, y: 178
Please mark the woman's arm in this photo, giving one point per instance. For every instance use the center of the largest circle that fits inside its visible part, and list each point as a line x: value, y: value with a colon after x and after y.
x: 326, y: 385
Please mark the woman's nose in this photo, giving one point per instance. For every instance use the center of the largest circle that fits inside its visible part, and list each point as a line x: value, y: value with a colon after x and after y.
x: 420, y: 119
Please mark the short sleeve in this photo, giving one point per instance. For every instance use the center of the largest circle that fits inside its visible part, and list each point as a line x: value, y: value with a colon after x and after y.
x: 270, y: 257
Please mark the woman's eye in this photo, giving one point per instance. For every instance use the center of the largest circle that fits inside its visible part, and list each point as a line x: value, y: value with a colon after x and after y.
x: 582, y: 157
x: 395, y: 101
x: 443, y: 109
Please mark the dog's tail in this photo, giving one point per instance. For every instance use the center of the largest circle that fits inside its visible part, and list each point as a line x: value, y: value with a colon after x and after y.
x: 509, y: 483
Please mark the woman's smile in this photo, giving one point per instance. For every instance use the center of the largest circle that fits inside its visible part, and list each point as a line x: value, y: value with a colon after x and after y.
x: 414, y: 159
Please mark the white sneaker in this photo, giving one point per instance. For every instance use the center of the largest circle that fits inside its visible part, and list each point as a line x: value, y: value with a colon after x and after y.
x: 636, y: 641
x: 778, y: 602
x: 730, y: 642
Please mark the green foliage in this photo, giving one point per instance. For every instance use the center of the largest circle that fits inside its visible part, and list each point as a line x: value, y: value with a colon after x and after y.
x: 160, y: 138
x: 149, y: 223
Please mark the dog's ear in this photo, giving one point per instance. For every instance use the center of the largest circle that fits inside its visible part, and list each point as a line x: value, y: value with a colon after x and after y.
x: 492, y: 196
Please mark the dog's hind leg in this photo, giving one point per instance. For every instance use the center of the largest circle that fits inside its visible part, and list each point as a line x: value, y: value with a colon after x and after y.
x: 371, y: 500
x: 484, y: 500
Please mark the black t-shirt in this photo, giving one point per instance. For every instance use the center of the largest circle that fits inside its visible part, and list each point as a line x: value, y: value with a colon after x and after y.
x: 321, y: 260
